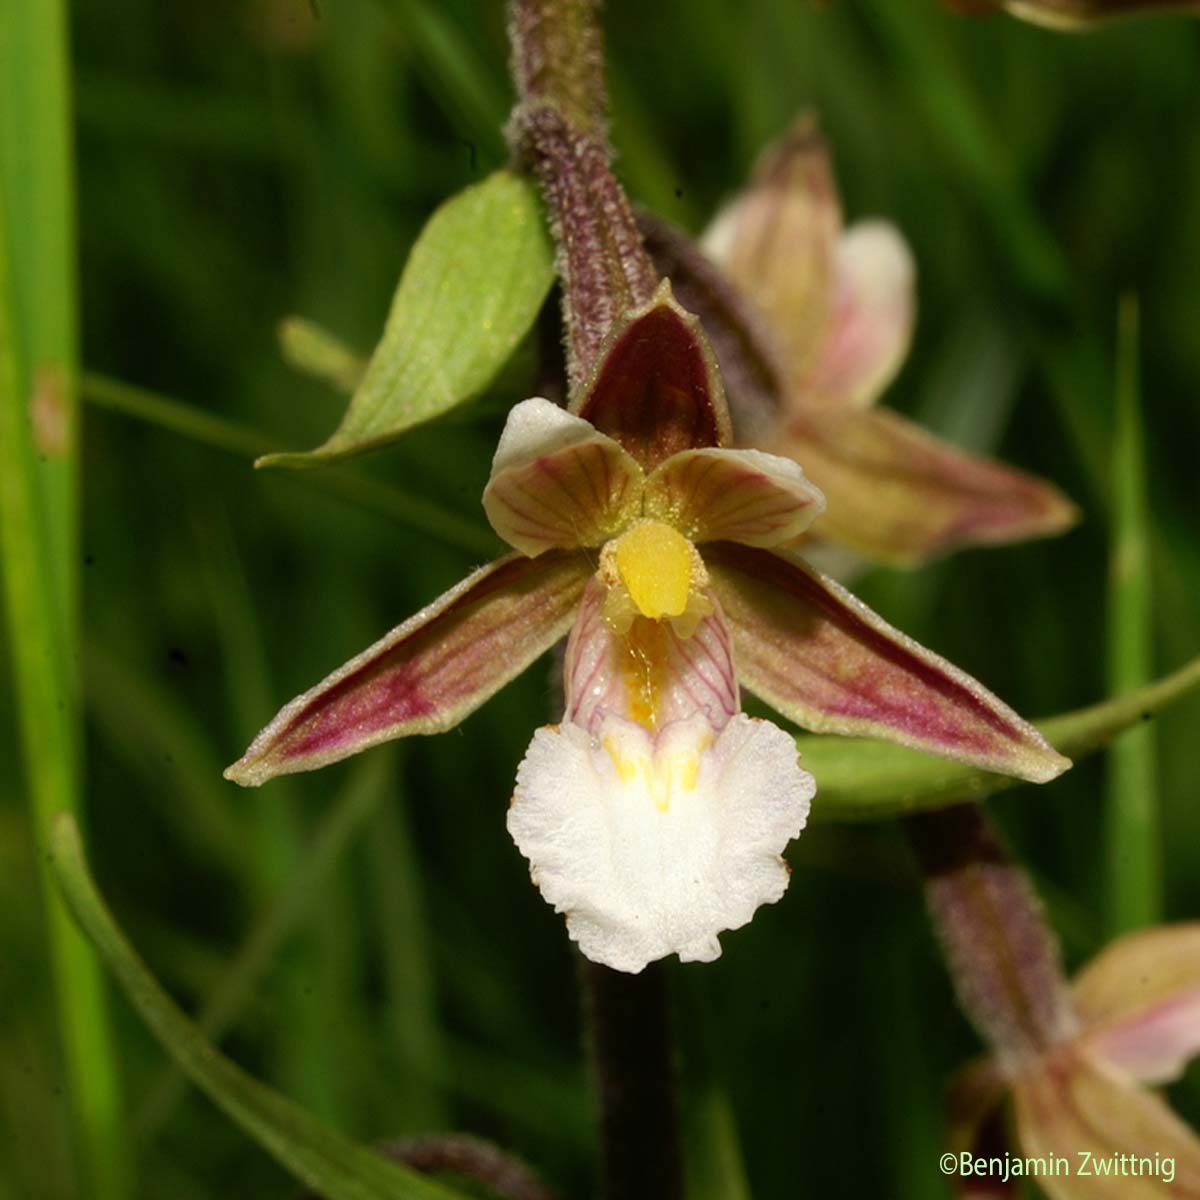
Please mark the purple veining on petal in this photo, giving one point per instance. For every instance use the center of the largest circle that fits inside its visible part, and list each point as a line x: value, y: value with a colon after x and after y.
x: 649, y: 674
x: 735, y: 495
x: 428, y: 673
x: 899, y: 494
x: 572, y: 496
x: 824, y: 659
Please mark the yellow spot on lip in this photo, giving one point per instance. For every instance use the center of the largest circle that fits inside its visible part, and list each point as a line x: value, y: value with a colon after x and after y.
x: 655, y: 563
x: 662, y: 777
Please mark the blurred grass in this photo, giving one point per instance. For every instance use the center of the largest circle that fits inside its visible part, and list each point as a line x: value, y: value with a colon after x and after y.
x: 1133, y: 833
x: 39, y: 535
x: 245, y: 161
x: 320, y: 1156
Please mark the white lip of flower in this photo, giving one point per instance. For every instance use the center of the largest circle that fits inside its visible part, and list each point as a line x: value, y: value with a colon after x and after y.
x: 653, y: 843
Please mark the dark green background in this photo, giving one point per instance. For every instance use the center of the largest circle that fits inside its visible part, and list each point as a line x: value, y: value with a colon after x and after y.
x: 242, y: 161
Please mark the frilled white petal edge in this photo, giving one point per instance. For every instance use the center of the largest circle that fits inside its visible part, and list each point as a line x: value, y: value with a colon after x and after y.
x: 654, y: 844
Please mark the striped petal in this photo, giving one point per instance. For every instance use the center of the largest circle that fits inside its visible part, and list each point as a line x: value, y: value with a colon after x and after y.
x: 557, y: 482
x: 900, y: 495
x: 657, y: 389
x: 650, y: 674
x: 777, y: 242
x: 1139, y: 1002
x: 429, y: 673
x: 823, y: 659
x: 735, y: 495
x: 1109, y: 1138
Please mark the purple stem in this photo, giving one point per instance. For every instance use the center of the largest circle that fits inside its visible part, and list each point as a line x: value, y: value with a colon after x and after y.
x: 629, y: 1022
x: 1002, y: 956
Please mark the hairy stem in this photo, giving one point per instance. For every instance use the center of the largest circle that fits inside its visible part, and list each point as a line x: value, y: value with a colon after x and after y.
x: 559, y: 129
x: 604, y: 267
x: 558, y: 56
x: 1001, y: 954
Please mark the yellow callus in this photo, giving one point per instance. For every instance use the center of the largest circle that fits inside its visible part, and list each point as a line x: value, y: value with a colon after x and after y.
x: 655, y: 563
x: 662, y: 777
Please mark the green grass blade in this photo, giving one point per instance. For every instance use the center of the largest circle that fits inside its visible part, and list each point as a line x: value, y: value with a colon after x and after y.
x: 1132, y: 835
x: 863, y: 780
x: 714, y: 1163
x: 144, y: 726
x: 973, y: 149
x: 414, y: 512
x: 278, y: 921
x: 316, y: 1154
x: 460, y: 81
x: 39, y: 524
x: 313, y: 350
x: 249, y: 697
x: 408, y: 971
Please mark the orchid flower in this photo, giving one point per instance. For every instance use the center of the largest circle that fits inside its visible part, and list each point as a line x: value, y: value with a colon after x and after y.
x: 1081, y: 1104
x: 1074, y: 15
x: 655, y: 814
x: 838, y: 306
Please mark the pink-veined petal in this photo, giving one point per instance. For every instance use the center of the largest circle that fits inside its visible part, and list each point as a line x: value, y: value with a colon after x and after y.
x: 1083, y: 1116
x: 900, y: 495
x: 650, y: 674
x: 429, y: 673
x: 777, y: 241
x: 556, y: 481
x: 733, y: 495
x: 869, y: 332
x: 1139, y: 1001
x: 826, y: 661
x: 656, y: 389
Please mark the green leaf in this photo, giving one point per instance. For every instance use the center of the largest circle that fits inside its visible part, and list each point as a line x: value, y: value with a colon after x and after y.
x: 863, y: 780
x: 316, y: 1154
x: 470, y: 291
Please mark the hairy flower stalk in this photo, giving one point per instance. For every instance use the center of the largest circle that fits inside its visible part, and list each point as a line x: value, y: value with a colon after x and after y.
x: 1074, y: 1059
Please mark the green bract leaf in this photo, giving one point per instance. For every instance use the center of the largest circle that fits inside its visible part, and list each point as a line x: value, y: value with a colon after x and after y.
x: 470, y: 290
x: 316, y: 1154
x: 863, y: 780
